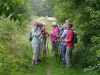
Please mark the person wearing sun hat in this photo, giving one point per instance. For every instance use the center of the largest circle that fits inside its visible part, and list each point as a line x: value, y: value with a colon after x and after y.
x: 45, y: 35
x: 54, y: 36
x: 36, y: 43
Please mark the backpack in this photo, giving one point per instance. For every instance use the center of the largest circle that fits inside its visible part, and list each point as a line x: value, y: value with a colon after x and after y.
x: 75, y: 38
x: 30, y: 37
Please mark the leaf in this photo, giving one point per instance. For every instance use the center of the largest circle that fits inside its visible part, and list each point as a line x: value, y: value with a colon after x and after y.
x: 7, y: 13
x: 14, y: 18
x: 11, y: 17
x: 22, y: 1
x: 0, y: 12
x: 20, y: 18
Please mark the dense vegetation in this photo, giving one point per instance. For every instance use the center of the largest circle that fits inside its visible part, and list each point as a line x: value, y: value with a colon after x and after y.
x: 13, y: 39
x: 42, y: 8
x: 85, y: 15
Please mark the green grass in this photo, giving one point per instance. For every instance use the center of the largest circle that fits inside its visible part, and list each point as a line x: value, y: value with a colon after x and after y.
x: 48, y: 66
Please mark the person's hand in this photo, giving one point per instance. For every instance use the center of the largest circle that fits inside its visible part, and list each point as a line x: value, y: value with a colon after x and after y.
x: 46, y: 35
x: 63, y: 41
x: 50, y: 34
x: 38, y: 35
x: 57, y: 35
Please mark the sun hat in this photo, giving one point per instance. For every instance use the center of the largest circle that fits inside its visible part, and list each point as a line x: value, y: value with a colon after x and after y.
x: 67, y: 21
x: 36, y: 23
x: 41, y: 24
x: 54, y: 23
x: 44, y: 24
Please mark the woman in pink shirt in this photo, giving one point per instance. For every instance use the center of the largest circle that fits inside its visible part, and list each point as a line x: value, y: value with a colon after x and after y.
x: 54, y: 37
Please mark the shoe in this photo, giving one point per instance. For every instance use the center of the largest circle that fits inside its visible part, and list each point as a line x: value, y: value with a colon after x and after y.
x: 38, y: 60
x: 45, y: 56
x: 55, y: 54
x: 33, y: 62
x: 37, y: 64
x: 62, y: 58
x: 64, y: 63
x: 69, y: 66
x: 52, y: 50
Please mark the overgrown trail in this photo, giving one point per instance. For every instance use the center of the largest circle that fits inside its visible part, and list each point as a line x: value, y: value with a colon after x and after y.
x: 49, y: 66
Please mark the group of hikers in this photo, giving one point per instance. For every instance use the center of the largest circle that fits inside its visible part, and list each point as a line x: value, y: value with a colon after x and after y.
x: 62, y: 37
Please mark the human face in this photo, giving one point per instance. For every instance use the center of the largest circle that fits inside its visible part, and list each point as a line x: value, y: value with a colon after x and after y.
x: 40, y: 26
x: 62, y: 26
x: 68, y: 27
x: 53, y: 26
x: 36, y: 26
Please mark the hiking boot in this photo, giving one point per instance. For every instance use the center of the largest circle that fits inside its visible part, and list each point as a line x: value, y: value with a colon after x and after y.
x: 33, y: 62
x: 45, y: 56
x: 52, y: 50
x: 38, y: 60
x: 69, y: 66
x: 37, y: 63
x: 55, y: 54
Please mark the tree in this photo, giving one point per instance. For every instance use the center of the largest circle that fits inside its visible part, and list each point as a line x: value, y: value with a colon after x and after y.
x: 42, y: 8
x: 85, y: 16
x: 11, y: 8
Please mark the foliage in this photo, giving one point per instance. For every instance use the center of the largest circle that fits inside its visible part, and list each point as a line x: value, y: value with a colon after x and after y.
x: 16, y: 9
x: 96, y: 49
x: 14, y: 47
x: 12, y: 43
x: 42, y: 8
x: 11, y: 7
x: 84, y: 15
x: 7, y: 62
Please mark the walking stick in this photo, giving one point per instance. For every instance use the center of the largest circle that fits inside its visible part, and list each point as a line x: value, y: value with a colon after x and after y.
x: 59, y: 59
x: 47, y: 46
x: 57, y: 52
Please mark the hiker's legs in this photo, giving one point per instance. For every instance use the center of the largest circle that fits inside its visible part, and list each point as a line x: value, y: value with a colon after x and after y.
x: 44, y: 47
x: 61, y: 50
x: 39, y: 52
x: 35, y: 55
x: 69, y: 56
x: 64, y: 52
x: 52, y: 45
x: 55, y: 47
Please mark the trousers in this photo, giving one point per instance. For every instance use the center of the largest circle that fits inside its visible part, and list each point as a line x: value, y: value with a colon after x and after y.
x: 36, y: 51
x: 69, y: 56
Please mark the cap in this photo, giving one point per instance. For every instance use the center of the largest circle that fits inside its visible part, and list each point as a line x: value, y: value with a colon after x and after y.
x: 54, y: 23
x: 36, y: 23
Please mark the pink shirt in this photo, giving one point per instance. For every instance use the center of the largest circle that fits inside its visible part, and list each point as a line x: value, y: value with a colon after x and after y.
x: 54, y: 31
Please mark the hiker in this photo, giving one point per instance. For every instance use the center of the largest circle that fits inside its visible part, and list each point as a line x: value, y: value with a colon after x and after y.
x: 45, y: 35
x: 36, y: 44
x: 61, y: 30
x: 60, y: 34
x: 43, y: 38
x: 70, y: 44
x: 63, y: 44
x: 54, y: 37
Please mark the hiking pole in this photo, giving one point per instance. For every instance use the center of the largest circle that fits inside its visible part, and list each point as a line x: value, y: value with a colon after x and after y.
x: 57, y: 50
x: 59, y: 60
x: 47, y: 46
x: 58, y: 57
